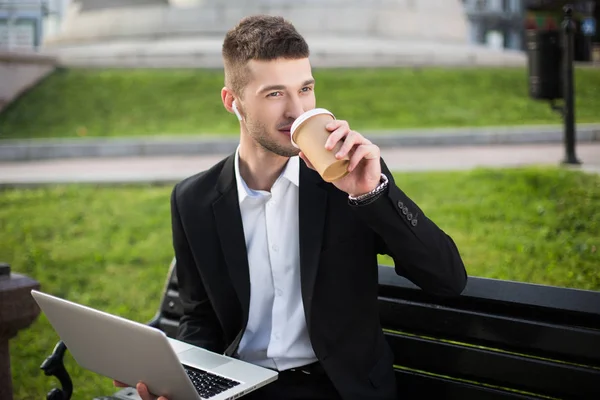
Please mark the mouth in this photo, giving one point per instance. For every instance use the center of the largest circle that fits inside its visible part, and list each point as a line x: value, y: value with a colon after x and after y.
x: 285, y: 130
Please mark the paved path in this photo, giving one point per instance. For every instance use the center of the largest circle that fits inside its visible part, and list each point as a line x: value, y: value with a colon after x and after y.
x: 196, y: 145
x: 167, y: 169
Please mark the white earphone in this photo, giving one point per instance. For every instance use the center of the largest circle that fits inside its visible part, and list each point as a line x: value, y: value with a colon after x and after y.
x: 235, y: 110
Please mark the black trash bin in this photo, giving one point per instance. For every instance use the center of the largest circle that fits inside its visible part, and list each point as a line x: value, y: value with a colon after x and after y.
x: 544, y: 56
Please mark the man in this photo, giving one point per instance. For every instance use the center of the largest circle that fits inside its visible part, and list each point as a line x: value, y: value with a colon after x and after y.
x: 276, y: 266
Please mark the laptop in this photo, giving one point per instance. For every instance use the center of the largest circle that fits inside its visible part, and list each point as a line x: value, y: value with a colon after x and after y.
x: 130, y: 352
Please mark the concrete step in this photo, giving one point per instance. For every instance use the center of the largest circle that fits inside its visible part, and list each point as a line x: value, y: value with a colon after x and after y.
x: 341, y: 33
x: 326, y: 51
x: 95, y: 5
x: 95, y: 20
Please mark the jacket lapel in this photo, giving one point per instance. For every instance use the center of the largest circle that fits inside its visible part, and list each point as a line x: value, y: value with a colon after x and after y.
x: 312, y: 208
x: 311, y: 212
x: 231, y: 235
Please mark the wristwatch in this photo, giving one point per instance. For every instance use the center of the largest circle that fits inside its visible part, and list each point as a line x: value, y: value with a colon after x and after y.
x: 371, y: 196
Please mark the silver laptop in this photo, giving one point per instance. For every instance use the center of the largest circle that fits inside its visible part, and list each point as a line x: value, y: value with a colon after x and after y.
x: 130, y: 352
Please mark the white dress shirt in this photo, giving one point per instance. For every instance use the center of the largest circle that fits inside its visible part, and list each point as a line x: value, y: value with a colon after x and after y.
x: 276, y: 335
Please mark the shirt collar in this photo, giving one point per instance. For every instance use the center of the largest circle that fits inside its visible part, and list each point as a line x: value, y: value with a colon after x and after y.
x: 291, y: 172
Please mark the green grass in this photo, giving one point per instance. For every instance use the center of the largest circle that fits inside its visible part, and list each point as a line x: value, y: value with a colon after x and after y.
x: 110, y: 247
x: 74, y: 103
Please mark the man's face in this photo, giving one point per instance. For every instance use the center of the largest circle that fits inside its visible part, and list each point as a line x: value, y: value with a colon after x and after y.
x: 278, y: 92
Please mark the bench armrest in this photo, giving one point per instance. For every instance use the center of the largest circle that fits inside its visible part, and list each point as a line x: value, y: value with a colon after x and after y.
x: 54, y: 366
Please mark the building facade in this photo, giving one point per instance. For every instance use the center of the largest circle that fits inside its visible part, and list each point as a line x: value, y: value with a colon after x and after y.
x: 502, y: 23
x: 496, y: 23
x: 21, y: 24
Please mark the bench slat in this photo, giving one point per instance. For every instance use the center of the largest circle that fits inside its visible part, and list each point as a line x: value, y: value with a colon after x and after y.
x: 567, y: 343
x: 415, y: 385
x: 542, y: 303
x: 495, y: 368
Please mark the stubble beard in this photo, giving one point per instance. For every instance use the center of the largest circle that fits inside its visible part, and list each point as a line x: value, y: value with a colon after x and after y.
x: 260, y: 134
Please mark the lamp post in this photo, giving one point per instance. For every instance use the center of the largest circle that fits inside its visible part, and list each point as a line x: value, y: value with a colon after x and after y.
x: 568, y: 27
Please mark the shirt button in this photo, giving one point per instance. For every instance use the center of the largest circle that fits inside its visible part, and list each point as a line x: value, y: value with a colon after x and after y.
x: 275, y: 337
x: 275, y: 247
x: 278, y: 292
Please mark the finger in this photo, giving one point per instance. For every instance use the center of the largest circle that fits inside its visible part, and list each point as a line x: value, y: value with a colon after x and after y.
x: 335, y: 124
x: 351, y: 140
x: 366, y: 152
x: 335, y: 136
x: 119, y: 384
x: 142, y: 390
x: 308, y: 163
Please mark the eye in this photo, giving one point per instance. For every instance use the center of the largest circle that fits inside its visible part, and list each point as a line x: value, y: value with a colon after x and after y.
x: 274, y: 94
x: 306, y: 89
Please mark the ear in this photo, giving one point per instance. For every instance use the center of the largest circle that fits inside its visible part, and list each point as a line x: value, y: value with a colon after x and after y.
x: 228, y: 99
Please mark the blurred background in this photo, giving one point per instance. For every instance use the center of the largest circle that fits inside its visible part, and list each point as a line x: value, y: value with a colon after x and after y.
x: 27, y: 24
x: 105, y: 104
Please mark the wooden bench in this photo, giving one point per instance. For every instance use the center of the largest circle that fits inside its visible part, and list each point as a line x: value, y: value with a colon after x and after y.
x: 498, y: 340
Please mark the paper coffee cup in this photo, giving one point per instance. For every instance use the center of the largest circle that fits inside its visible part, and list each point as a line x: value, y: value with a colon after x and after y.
x: 308, y: 133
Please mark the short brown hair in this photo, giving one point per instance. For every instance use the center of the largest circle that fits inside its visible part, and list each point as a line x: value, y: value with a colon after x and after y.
x: 259, y: 37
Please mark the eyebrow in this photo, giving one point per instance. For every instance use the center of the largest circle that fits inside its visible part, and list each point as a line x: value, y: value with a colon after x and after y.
x: 282, y: 87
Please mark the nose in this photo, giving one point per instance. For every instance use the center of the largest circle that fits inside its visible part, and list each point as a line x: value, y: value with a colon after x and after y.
x: 294, y: 107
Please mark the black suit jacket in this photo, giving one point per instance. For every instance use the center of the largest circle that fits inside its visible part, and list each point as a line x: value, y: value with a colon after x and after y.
x: 339, y: 244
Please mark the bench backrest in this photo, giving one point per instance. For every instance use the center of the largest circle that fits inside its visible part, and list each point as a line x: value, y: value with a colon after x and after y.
x: 498, y: 340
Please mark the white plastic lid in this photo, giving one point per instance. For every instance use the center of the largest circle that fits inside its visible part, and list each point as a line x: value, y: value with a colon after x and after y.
x: 303, y: 117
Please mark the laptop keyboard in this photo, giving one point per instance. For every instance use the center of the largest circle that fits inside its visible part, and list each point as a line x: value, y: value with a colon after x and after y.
x: 207, y: 384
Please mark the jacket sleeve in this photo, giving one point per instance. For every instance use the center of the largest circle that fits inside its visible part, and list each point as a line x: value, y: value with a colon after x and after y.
x: 421, y: 251
x: 199, y: 324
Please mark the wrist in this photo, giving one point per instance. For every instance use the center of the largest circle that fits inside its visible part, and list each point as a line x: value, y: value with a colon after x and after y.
x: 370, y: 196
x: 357, y: 195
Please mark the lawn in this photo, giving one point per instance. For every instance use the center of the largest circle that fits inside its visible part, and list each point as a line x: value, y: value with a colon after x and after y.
x: 110, y: 247
x: 91, y: 103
